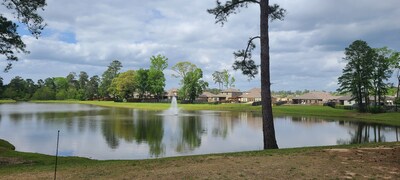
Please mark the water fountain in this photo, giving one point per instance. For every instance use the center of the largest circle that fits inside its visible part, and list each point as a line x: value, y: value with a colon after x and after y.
x: 173, y: 110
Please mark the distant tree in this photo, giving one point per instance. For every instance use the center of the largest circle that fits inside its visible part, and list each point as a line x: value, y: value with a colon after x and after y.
x: 182, y: 68
x: 218, y: 78
x: 61, y: 84
x: 156, y: 78
x: 83, y: 80
x: 123, y: 85
x: 44, y: 93
x: 142, y: 77
x: 357, y: 73
x: 244, y: 57
x: 227, y: 79
x: 72, y: 82
x: 92, y: 89
x: 16, y: 89
x: 31, y: 87
x: 193, y: 86
x: 1, y: 87
x: 380, y: 74
x: 26, y: 12
x: 108, y: 76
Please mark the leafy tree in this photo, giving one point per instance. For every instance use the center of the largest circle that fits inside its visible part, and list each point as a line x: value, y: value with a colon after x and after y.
x: 16, y: 89
x: 44, y: 93
x: 227, y: 79
x: 124, y: 85
x: 182, y: 68
x: 93, y: 87
x: 26, y: 12
x: 108, y: 76
x: 142, y: 78
x: 156, y: 78
x: 381, y: 73
x: 244, y: 57
x: 193, y: 86
x: 357, y: 72
x: 218, y: 78
x: 83, y: 80
x: 62, y: 86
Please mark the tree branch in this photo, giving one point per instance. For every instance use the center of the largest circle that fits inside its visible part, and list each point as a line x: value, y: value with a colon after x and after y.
x: 246, y: 64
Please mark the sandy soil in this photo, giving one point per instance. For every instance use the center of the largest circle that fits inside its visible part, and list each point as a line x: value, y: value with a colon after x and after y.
x: 360, y: 163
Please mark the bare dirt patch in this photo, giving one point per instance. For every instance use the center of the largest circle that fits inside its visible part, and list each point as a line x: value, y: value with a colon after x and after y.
x: 357, y: 163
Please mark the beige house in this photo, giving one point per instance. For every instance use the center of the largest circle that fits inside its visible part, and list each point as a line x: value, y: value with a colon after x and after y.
x: 208, y: 97
x: 252, y: 95
x: 229, y: 94
x: 171, y: 93
x: 314, y: 97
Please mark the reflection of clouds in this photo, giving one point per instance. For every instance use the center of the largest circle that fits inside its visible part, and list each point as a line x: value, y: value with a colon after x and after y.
x: 137, y: 134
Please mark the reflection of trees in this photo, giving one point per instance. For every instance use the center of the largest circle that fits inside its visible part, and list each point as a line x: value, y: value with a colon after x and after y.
x: 191, y: 131
x: 365, y: 133
x: 131, y: 125
x: 150, y: 129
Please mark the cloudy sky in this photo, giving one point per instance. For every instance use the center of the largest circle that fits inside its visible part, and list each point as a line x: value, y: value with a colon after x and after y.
x: 306, y: 48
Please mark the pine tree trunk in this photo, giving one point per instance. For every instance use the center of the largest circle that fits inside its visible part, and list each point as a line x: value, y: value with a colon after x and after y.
x: 268, y: 121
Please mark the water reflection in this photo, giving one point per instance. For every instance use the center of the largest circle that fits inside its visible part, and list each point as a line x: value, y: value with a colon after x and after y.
x: 118, y: 133
x: 365, y: 133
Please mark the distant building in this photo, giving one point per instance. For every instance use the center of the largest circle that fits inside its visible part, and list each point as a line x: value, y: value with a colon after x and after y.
x: 252, y: 95
x: 171, y: 93
x: 315, y: 97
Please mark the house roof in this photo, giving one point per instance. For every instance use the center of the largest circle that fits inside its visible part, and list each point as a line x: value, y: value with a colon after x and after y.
x: 316, y: 95
x: 207, y: 95
x: 252, y: 94
x: 254, y: 90
x: 172, y: 92
x: 345, y: 98
x: 230, y: 90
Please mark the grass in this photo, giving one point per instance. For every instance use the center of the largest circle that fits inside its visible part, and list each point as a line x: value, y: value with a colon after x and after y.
x: 392, y: 118
x: 7, y: 101
x: 22, y: 162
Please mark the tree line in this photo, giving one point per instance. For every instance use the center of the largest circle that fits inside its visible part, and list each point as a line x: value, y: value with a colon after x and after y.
x: 112, y: 84
x: 366, y: 74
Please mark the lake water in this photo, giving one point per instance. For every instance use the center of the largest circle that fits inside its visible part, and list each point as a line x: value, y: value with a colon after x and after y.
x: 119, y: 133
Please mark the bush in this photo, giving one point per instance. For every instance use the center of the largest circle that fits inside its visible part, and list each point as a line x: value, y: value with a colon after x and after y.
x: 376, y: 110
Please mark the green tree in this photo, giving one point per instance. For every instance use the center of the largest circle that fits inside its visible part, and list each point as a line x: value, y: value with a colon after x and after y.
x: 142, y: 77
x: 244, y: 57
x: 156, y: 78
x: 218, y: 78
x: 16, y: 89
x: 93, y: 87
x: 227, y: 79
x: 193, y: 86
x: 123, y: 85
x: 356, y: 77
x: 44, y: 93
x: 182, y: 68
x: 25, y: 11
x: 107, y: 77
x: 380, y: 74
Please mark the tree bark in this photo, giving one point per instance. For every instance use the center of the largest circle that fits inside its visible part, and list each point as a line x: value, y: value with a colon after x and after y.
x: 268, y: 121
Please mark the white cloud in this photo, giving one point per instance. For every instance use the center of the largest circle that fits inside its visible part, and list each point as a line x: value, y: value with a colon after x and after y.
x: 306, y: 48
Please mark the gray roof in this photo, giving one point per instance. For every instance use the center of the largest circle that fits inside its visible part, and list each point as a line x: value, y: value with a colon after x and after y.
x: 316, y: 95
x: 230, y: 90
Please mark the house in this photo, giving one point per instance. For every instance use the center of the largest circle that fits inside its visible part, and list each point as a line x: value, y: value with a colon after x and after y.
x: 314, y: 97
x: 252, y: 95
x: 346, y: 100
x: 208, y: 97
x: 229, y: 94
x: 171, y: 93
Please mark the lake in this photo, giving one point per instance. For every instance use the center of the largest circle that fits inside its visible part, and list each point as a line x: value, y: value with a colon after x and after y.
x: 120, y: 133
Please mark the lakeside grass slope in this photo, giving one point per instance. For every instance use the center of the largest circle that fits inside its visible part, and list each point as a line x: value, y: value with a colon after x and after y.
x: 390, y: 118
x: 332, y: 162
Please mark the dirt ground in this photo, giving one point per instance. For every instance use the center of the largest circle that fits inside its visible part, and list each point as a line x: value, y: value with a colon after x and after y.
x: 359, y: 163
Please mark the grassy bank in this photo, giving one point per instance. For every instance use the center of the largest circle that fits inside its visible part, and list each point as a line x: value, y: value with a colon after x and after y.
x: 295, y: 110
x: 7, y: 101
x: 306, y: 163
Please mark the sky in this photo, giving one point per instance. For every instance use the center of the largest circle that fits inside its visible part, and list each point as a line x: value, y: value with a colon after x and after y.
x: 307, y: 47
